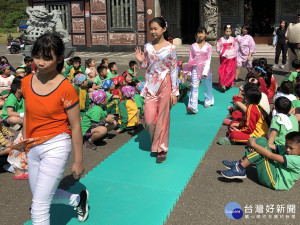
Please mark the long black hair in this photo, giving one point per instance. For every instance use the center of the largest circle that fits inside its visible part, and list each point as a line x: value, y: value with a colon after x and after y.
x: 45, y: 45
x: 162, y: 23
x: 268, y: 75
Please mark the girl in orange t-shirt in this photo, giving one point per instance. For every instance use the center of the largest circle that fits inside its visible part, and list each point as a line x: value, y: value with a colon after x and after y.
x: 51, y: 104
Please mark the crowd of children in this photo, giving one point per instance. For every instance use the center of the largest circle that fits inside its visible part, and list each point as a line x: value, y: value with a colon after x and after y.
x: 264, y: 116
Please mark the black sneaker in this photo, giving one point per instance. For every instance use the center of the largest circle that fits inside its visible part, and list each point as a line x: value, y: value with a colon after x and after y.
x: 83, y: 206
x: 89, y: 144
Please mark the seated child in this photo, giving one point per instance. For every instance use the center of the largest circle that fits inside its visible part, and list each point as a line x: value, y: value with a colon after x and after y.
x: 132, y: 71
x: 112, y: 106
x: 286, y: 90
x: 28, y: 62
x: 20, y: 72
x: 271, y: 83
x: 108, y: 85
x: 239, y: 108
x: 105, y: 62
x: 4, y: 59
x: 28, y: 70
x: 260, y: 74
x: 183, y: 85
x: 132, y: 68
x: 296, y: 103
x: 102, y: 75
x: 127, y: 78
x: 96, y: 123
x: 13, y: 109
x: 296, y: 66
x: 113, y: 70
x: 283, y: 123
x: 67, y: 63
x: 139, y: 100
x: 277, y: 168
x: 6, y: 80
x: 76, y: 67
x: 119, y: 83
x: 256, y: 123
x: 80, y: 84
x: 128, y: 119
x: 90, y: 70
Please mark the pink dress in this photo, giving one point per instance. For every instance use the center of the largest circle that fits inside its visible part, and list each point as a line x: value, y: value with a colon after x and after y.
x: 161, y: 81
x: 198, y: 66
x: 199, y: 59
x: 246, y: 45
x: 227, y: 49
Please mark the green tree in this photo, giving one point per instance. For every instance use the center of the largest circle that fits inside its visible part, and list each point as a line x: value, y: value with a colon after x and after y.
x: 11, y: 12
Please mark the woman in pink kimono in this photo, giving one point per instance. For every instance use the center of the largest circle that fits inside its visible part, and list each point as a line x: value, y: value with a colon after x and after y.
x: 227, y: 48
x: 161, y: 86
x: 246, y: 49
x: 198, y: 67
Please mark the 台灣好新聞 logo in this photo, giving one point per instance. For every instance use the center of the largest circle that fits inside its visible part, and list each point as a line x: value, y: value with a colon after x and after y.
x: 233, y: 211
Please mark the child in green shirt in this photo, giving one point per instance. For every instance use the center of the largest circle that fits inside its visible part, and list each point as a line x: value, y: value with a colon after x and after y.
x: 282, y: 123
x: 132, y: 71
x: 113, y: 70
x: 112, y: 106
x: 296, y: 66
x: 13, y: 109
x: 296, y: 103
x: 96, y: 122
x: 97, y: 83
x: 277, y: 168
x: 76, y: 67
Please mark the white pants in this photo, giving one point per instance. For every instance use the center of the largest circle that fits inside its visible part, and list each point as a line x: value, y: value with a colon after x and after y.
x: 46, y: 165
x: 207, y: 90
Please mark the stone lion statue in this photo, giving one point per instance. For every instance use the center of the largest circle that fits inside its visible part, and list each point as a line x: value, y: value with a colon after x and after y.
x: 41, y: 22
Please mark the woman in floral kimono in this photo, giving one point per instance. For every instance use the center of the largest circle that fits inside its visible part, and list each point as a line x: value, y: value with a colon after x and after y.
x: 227, y: 48
x: 161, y: 86
x: 246, y: 49
x: 198, y: 67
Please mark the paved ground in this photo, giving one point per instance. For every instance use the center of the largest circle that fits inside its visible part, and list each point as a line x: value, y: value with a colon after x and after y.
x: 206, y: 195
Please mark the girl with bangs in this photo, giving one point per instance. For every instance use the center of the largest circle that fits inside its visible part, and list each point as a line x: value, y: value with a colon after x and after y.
x: 51, y: 104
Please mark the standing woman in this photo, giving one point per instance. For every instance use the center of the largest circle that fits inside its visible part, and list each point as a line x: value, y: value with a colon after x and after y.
x: 246, y: 49
x: 161, y: 86
x: 281, y: 44
x: 227, y: 48
x: 199, y: 68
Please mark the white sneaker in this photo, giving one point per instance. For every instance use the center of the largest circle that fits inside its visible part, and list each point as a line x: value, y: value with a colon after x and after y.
x: 282, y: 66
x: 275, y: 66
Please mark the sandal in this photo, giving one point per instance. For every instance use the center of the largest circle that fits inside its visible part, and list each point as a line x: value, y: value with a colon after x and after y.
x: 24, y: 176
x: 161, y: 157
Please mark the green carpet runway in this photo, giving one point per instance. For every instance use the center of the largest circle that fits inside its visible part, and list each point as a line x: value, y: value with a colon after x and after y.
x: 130, y: 188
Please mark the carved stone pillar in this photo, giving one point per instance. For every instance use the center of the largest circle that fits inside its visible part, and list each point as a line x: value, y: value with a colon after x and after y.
x: 209, y: 11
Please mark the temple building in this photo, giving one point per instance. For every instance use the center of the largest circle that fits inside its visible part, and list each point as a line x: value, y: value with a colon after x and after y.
x: 120, y: 25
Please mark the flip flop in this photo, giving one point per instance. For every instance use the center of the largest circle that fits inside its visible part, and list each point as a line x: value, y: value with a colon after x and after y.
x: 24, y: 176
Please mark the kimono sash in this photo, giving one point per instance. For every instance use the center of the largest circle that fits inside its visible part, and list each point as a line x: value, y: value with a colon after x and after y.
x: 225, y: 47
